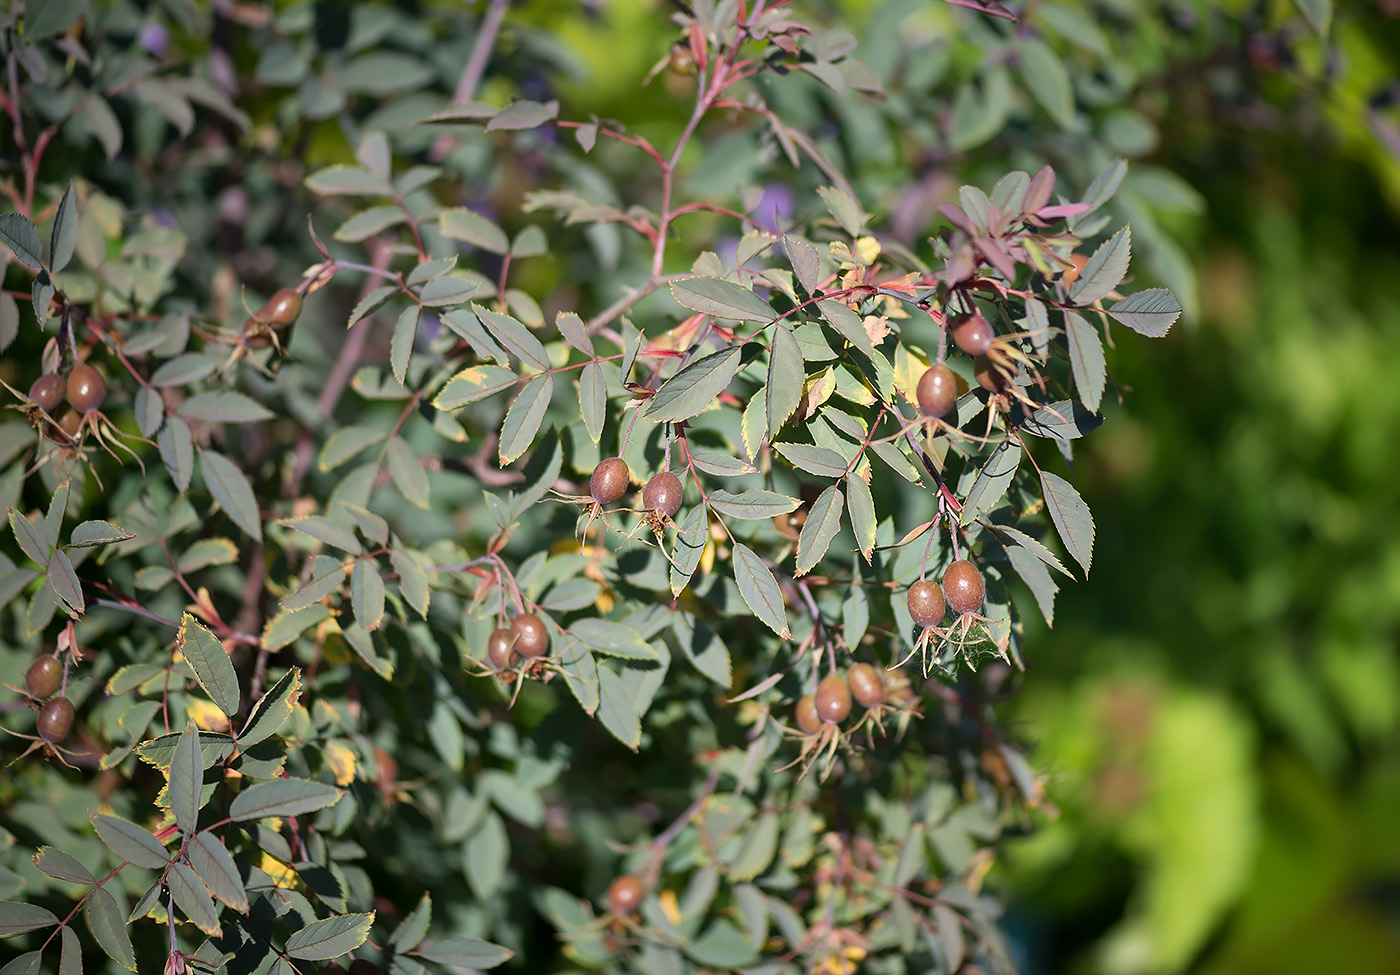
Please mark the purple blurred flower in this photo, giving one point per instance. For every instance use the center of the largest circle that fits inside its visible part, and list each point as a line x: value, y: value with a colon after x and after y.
x: 777, y: 199
x: 152, y: 38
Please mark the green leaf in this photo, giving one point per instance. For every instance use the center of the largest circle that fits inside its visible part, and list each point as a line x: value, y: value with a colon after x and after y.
x: 330, y: 937
x: 272, y: 711
x: 823, y: 522
x: 65, y: 584
x: 71, y: 959
x: 688, y: 547
x: 63, y: 237
x: 367, y: 594
x: 992, y: 481
x: 210, y: 663
x: 704, y: 649
x: 1105, y: 269
x: 327, y: 575
x: 486, y: 856
x: 722, y: 946
x: 572, y: 328
x: 477, y: 383
x: 282, y: 797
x: 186, y: 779
x: 861, y: 504
x: 55, y: 863
x: 192, y: 898
x: 384, y: 72
x: 30, y: 539
x: 1037, y: 578
x: 514, y: 336
x: 1318, y: 13
x: 9, y: 321
x: 1086, y: 359
x: 17, y: 918
x: 720, y: 465
x: 612, y: 639
x: 367, y: 223
x: 160, y: 752
x: 759, y: 589
x: 577, y: 661
x: 347, y: 181
x: 25, y: 964
x: 407, y: 473
x: 224, y: 406
x: 325, y: 530
x: 722, y: 299
x: 463, y: 953
x: 753, y: 505
x: 818, y: 461
x: 524, y: 417
x: 459, y: 223
x: 523, y: 115
x: 805, y: 261
x: 1062, y: 420
x: 107, y: 925
x: 22, y: 237
x: 592, y: 398
x: 413, y: 928
x: 230, y: 488
x: 90, y: 533
x: 759, y: 847
x: 695, y: 387
x: 1151, y: 312
x: 1071, y: 516
x: 131, y: 842
x: 413, y: 581
x: 844, y: 208
x: 786, y: 373
x: 401, y: 345
x: 616, y: 708
x: 1048, y: 81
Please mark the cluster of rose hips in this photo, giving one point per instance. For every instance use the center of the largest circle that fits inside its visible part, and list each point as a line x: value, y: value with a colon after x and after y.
x: 41, y: 681
x: 84, y: 389
x: 831, y: 703
x: 661, y: 496
x: 525, y: 638
x: 962, y: 591
x: 261, y: 328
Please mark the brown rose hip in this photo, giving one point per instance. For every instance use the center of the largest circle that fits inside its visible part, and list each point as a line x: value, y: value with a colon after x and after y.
x: 937, y: 390
x: 282, y: 308
x: 867, y: 686
x: 833, y: 699
x: 1077, y: 262
x: 625, y: 895
x: 47, y: 391
x: 55, y: 720
x: 663, y: 494
x: 790, y: 524
x: 990, y: 376
x: 609, y: 480
x: 499, y: 649
x: 43, y: 677
x: 806, y: 713
x: 963, y: 587
x: 86, y: 388
x: 529, y: 636
x: 926, y: 603
x: 973, y: 333
x: 70, y: 421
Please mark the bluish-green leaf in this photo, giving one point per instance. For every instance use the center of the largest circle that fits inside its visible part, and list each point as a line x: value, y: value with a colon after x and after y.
x: 759, y: 589
x: 722, y: 299
x: 786, y: 373
x: 186, y: 779
x: 330, y: 937
x: 823, y: 522
x: 210, y: 663
x: 1086, y: 359
x: 1105, y: 269
x: 228, y: 485
x: 524, y: 417
x: 695, y: 387
x: 1071, y: 516
x: 1149, y: 312
x: 282, y: 797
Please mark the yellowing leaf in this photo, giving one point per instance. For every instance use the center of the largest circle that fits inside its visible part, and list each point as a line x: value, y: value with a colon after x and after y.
x: 341, y: 759
x: 281, y: 874
x: 204, y: 714
x: 867, y: 249
x: 670, y: 906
